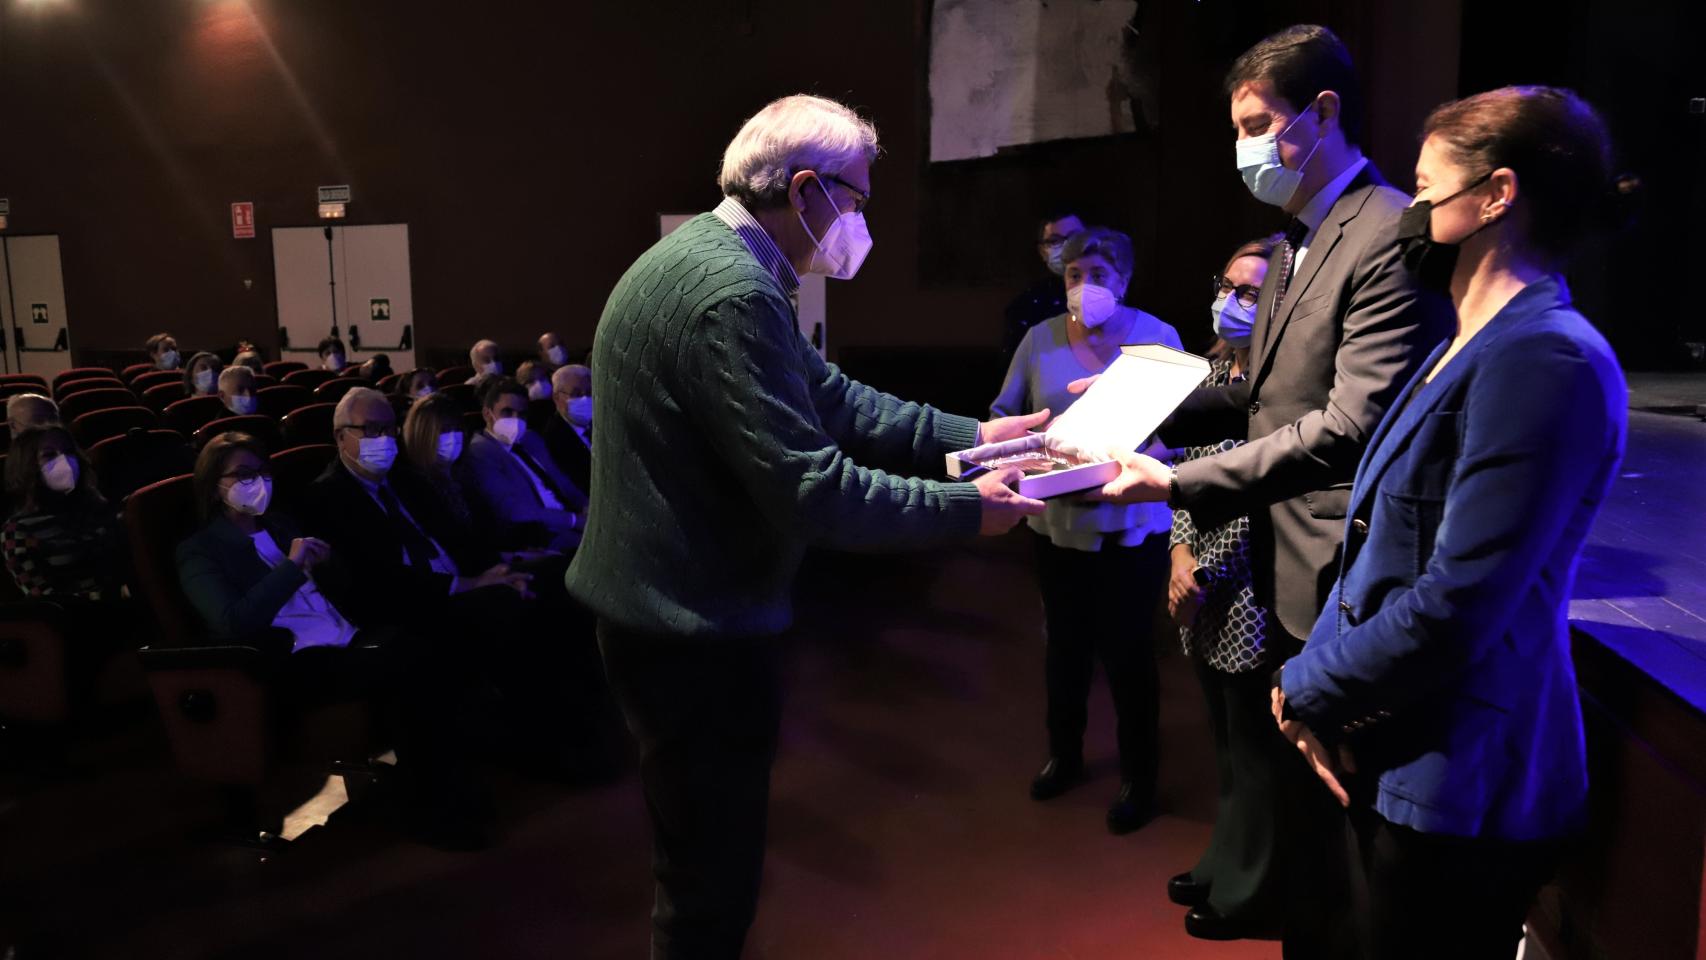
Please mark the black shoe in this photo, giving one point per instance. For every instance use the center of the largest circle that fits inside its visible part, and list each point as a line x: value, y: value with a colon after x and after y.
x: 1204, y: 924
x: 1187, y: 891
x: 1130, y: 809
x: 1056, y: 777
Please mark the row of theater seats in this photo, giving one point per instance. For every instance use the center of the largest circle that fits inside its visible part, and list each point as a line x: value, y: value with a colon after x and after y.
x: 216, y: 702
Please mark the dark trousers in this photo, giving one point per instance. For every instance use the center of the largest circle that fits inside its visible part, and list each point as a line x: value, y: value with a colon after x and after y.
x: 706, y: 713
x: 1416, y: 895
x: 1101, y: 606
x: 1242, y: 864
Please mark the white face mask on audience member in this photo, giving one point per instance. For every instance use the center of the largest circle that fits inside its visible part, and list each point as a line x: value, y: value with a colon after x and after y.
x: 492, y: 368
x: 378, y: 453
x: 557, y: 355
x: 334, y: 361
x: 204, y: 380
x: 509, y: 430
x: 580, y: 411
x: 60, y: 474
x: 449, y: 446
x: 539, y: 390
x: 250, y: 496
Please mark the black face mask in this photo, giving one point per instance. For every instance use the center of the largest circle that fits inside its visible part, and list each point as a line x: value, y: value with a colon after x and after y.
x: 1432, y: 262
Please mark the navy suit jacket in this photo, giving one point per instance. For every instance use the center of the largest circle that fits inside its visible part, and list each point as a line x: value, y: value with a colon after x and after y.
x: 502, y: 493
x: 1443, y: 657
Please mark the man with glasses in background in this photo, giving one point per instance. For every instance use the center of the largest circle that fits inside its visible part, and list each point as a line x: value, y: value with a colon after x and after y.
x: 1047, y: 297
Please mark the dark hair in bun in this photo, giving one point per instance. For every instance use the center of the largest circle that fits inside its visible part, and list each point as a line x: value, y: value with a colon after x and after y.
x: 1559, y: 148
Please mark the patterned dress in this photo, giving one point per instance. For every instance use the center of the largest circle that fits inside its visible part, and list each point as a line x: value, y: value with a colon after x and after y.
x: 76, y: 552
x: 1230, y: 630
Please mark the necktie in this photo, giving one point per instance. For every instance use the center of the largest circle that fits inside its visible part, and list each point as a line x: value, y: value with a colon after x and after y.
x: 415, y: 543
x: 1295, y: 231
x: 542, y: 474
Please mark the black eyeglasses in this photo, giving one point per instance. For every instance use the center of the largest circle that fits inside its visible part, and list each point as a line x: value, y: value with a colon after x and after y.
x: 373, y: 431
x: 1247, y: 293
x: 860, y: 197
x: 245, y: 474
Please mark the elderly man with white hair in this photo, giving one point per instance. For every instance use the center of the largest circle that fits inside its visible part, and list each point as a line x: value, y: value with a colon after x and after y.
x: 568, y: 435
x: 237, y: 390
x: 483, y: 357
x: 26, y: 411
x: 724, y: 448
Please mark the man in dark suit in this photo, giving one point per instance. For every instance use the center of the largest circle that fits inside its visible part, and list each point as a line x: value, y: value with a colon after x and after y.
x: 1341, y: 326
x: 568, y: 435
x: 511, y: 480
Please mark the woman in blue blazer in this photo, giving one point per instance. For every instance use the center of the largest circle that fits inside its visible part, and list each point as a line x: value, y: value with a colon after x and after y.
x: 1435, y: 696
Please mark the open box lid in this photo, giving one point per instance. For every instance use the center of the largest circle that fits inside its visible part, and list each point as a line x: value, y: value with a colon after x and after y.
x: 1138, y: 391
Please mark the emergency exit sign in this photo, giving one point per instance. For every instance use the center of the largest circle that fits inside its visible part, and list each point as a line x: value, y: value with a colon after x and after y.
x: 335, y: 194
x: 243, y: 221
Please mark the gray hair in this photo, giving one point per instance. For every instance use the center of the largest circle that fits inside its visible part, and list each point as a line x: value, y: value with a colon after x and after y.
x: 45, y: 409
x: 230, y: 375
x: 1111, y: 245
x: 794, y: 133
x: 474, y: 351
x: 560, y: 379
x: 341, y: 416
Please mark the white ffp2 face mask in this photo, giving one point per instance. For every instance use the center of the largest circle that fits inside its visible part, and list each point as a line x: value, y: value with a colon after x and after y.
x: 60, y: 474
x: 250, y: 496
x: 557, y: 355
x: 1093, y: 305
x: 844, y: 246
x: 509, y: 430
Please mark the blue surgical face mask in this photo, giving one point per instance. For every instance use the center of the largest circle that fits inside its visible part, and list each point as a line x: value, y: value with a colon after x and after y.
x: 449, y: 446
x: 377, y: 454
x: 579, y: 410
x: 1269, y: 180
x: 1232, y: 320
x: 204, y: 381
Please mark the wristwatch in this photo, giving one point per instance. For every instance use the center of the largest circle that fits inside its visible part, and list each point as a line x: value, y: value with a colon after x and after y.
x: 1172, y: 487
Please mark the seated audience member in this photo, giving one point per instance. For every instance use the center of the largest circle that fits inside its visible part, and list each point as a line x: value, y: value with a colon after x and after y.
x: 62, y: 539
x: 418, y: 563
x: 237, y: 389
x: 386, y: 524
x: 251, y: 359
x: 568, y: 435
x: 375, y: 369
x: 551, y: 351
x: 535, y: 378
x: 332, y: 354
x: 248, y: 571
x: 26, y: 411
x: 63, y: 543
x: 162, y: 351
x: 433, y: 440
x: 483, y: 357
x: 514, y: 484
x: 416, y: 384
x: 201, y: 375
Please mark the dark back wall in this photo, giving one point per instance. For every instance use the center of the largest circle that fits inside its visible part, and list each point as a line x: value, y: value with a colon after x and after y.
x: 529, y: 149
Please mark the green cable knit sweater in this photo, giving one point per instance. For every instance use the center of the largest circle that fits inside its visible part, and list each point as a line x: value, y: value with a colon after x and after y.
x: 723, y: 446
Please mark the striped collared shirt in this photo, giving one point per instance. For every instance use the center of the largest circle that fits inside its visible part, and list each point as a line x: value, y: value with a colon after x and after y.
x: 751, y: 233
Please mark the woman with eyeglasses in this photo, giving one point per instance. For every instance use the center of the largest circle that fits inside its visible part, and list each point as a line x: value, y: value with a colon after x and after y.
x: 1100, y: 567
x: 255, y: 579
x: 1436, y: 696
x: 1211, y: 597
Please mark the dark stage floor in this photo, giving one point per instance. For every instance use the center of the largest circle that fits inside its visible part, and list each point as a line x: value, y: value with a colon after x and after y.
x: 901, y: 824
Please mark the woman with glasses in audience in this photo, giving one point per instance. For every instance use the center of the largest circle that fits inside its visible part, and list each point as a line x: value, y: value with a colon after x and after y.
x: 63, y: 543
x: 255, y: 579
x: 1436, y: 696
x: 1101, y: 567
x: 1211, y: 598
x: 201, y: 375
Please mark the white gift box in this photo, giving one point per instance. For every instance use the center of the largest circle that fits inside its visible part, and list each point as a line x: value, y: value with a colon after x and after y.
x: 1138, y: 391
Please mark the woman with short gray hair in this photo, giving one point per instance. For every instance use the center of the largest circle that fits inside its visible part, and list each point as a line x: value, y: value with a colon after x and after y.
x: 1100, y: 567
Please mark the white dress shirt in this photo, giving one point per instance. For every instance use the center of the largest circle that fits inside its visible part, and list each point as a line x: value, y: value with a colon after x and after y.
x: 1315, y: 211
x: 307, y: 614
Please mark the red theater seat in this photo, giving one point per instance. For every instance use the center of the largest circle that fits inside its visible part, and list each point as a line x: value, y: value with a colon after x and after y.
x: 97, y: 425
